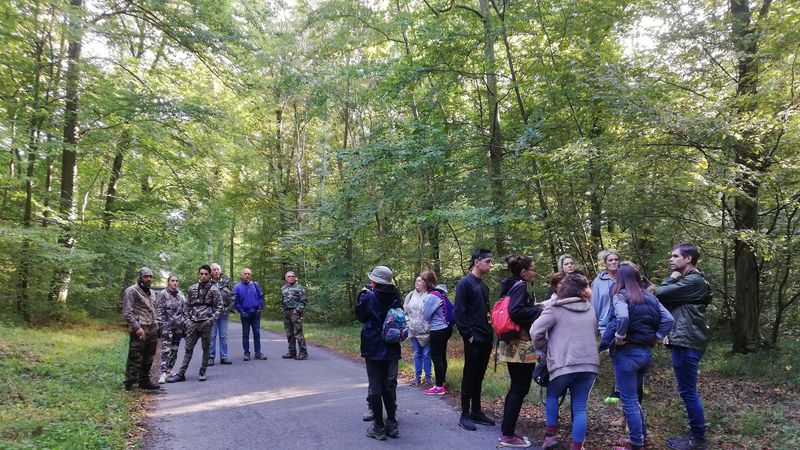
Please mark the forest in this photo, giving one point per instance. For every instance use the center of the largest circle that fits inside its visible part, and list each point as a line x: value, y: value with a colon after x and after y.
x: 328, y: 136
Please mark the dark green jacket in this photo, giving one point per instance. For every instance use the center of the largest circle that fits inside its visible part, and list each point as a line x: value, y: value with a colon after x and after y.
x: 687, y: 298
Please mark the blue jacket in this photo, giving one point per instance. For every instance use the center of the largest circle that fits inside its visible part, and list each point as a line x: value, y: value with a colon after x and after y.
x: 248, y: 298
x: 371, y: 308
x: 636, y: 323
x: 601, y: 299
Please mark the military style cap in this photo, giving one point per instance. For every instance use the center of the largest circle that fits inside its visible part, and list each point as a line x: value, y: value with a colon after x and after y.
x: 145, y: 271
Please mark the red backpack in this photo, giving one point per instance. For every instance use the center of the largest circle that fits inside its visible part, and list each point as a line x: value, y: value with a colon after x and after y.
x: 505, y: 328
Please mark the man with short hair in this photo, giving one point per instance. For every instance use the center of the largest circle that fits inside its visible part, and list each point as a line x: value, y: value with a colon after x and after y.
x: 686, y: 294
x: 472, y: 317
x: 203, y: 307
x: 293, y: 303
x: 249, y: 301
x: 220, y: 327
x: 138, y: 309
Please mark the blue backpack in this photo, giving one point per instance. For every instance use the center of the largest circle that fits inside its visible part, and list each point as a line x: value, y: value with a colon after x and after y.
x: 449, y: 313
x: 395, y: 327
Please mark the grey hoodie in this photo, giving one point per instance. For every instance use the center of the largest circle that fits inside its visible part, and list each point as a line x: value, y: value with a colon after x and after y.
x: 566, y: 331
x: 433, y: 311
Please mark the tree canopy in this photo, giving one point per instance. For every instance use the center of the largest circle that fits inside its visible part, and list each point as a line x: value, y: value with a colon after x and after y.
x: 329, y: 136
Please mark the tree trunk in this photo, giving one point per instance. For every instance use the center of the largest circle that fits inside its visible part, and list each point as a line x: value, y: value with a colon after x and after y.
x: 69, y: 154
x: 747, y: 334
x: 495, y: 145
x: 230, y: 254
x: 116, y: 172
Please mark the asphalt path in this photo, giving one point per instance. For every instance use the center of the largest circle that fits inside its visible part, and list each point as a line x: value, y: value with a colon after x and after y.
x: 289, y: 404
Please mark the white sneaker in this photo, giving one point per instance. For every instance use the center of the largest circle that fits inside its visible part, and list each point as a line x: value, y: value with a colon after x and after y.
x: 163, y: 378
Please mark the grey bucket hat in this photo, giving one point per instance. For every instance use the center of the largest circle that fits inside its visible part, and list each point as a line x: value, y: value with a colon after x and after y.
x: 145, y: 271
x: 381, y: 275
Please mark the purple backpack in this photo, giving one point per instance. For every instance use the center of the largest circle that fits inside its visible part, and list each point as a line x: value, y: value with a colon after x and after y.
x: 449, y: 314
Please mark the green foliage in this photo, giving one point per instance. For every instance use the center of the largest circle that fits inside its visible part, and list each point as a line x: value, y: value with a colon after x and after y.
x: 331, y: 137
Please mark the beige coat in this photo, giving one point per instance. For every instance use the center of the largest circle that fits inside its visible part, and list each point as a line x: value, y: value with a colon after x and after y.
x: 138, y: 308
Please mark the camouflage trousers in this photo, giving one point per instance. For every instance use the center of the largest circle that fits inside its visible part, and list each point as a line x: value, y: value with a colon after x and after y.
x: 195, y: 331
x: 293, y: 324
x: 141, y: 353
x: 170, y: 340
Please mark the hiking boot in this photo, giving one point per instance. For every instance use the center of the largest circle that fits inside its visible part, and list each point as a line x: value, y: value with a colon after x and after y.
x: 247, y: 356
x: 149, y: 385
x: 376, y: 432
x: 302, y: 356
x: 163, y: 378
x: 686, y: 443
x: 392, y: 429
x: 225, y: 361
x: 513, y: 441
x: 625, y: 443
x: 550, y: 442
x: 416, y: 382
x: 176, y: 378
x: 289, y: 355
x: 210, y: 362
x: 368, y: 416
x: 466, y: 424
x: 429, y: 381
x: 436, y: 390
x: 202, y: 377
x: 481, y: 419
x: 129, y: 386
x: 260, y: 356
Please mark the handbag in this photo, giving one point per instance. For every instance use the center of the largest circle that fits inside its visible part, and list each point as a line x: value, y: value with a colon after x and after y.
x: 541, y: 375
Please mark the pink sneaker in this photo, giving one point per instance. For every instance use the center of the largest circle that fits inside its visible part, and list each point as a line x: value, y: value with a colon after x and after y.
x: 436, y: 390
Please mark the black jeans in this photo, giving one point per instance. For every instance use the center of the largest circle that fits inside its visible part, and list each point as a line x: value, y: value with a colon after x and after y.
x: 476, y: 359
x: 438, y: 342
x: 382, y: 375
x: 521, y: 375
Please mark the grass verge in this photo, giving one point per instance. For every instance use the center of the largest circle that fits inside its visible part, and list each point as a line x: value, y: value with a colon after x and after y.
x: 750, y: 401
x: 62, y: 388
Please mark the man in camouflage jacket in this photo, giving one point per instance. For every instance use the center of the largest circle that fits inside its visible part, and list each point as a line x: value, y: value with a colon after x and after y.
x: 220, y: 327
x: 293, y: 302
x: 138, y: 309
x: 170, y: 315
x: 203, y: 307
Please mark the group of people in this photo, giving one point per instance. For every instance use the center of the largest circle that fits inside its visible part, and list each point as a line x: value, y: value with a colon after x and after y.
x: 620, y: 307
x: 202, y: 314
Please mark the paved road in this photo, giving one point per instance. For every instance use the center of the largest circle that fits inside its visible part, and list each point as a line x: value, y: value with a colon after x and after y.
x: 288, y: 404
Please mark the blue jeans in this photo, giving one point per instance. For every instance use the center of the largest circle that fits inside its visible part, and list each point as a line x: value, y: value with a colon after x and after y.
x: 251, y: 321
x: 685, y: 363
x: 422, y: 358
x: 631, y: 363
x: 579, y: 385
x: 220, y: 328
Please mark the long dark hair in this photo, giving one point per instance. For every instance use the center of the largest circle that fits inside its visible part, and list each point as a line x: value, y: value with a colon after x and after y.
x: 630, y: 279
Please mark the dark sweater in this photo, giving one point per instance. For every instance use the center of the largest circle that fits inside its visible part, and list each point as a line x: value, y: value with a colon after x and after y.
x: 472, y: 308
x: 521, y: 308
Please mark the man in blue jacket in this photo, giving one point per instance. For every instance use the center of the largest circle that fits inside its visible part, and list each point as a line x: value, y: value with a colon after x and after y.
x: 249, y: 301
x: 686, y: 294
